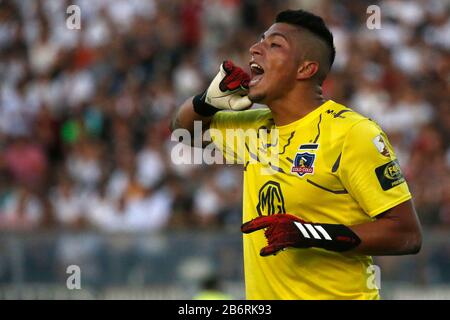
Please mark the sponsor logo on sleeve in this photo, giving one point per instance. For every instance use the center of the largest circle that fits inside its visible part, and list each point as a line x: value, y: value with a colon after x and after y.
x: 389, y: 175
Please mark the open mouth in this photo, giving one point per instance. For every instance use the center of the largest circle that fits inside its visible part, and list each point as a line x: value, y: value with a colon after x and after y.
x: 257, y: 73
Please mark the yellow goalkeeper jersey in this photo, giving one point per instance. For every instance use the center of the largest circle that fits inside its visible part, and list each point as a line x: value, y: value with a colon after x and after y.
x: 331, y: 166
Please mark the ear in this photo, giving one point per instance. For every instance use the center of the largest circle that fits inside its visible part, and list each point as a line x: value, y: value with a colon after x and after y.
x: 307, y: 70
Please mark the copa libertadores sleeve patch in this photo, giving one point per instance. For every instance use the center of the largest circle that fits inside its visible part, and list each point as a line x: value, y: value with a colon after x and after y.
x: 390, y: 175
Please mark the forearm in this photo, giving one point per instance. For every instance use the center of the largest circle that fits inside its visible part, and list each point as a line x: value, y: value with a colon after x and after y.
x: 389, y: 235
x: 395, y: 232
x: 185, y: 117
x: 385, y: 243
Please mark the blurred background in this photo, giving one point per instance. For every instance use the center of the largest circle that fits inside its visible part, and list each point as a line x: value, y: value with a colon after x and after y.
x: 85, y: 172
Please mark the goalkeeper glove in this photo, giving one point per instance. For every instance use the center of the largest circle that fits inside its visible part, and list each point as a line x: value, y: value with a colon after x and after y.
x: 285, y: 230
x: 228, y: 91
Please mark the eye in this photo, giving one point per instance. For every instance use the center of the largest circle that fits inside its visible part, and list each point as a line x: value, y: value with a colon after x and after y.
x: 274, y: 45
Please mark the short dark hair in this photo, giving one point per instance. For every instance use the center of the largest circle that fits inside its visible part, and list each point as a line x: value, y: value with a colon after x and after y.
x: 312, y: 23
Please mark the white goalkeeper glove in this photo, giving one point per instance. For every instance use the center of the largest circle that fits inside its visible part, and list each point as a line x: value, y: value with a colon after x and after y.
x: 227, y: 91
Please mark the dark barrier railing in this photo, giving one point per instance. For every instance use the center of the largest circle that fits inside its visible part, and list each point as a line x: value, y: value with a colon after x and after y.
x: 171, y: 259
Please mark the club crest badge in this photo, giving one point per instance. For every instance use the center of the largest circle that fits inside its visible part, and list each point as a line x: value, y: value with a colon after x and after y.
x: 303, y: 163
x: 304, y: 160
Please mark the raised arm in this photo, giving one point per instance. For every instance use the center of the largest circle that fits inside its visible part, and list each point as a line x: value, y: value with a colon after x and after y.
x: 185, y: 116
x: 227, y: 91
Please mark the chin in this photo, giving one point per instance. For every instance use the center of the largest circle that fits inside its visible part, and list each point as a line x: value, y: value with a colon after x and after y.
x: 256, y: 97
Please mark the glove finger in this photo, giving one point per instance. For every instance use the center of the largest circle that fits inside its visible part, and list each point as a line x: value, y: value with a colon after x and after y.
x: 233, y: 77
x: 230, y: 83
x: 245, y: 82
x: 257, y: 224
x: 227, y: 66
x: 269, y: 232
x: 271, y: 249
x: 235, y: 80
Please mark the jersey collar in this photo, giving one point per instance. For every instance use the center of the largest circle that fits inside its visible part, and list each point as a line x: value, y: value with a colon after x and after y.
x: 304, y: 120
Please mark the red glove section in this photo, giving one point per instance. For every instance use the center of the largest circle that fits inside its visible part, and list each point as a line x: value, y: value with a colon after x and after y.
x: 235, y: 77
x: 281, y: 232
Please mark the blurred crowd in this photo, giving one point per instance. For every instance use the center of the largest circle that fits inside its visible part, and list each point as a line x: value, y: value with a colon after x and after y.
x: 84, y: 114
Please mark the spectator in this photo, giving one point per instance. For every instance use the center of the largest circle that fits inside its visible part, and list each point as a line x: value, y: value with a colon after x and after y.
x: 150, y: 165
x: 20, y: 209
x: 26, y: 161
x: 67, y: 203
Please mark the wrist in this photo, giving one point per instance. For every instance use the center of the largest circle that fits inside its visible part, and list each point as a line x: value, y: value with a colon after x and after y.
x: 333, y: 237
x: 202, y: 108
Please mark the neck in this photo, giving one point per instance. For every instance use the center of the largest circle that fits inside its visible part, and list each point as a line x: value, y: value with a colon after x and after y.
x: 295, y: 105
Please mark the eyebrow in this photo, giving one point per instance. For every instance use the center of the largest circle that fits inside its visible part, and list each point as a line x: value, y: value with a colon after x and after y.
x: 263, y: 36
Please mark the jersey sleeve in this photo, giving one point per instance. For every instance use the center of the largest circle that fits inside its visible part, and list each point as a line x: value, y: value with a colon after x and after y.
x: 232, y: 132
x: 370, y: 171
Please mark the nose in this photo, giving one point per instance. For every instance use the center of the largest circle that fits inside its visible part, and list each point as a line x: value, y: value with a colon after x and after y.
x: 255, y: 49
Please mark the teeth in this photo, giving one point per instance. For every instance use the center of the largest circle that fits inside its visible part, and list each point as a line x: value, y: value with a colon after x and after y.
x: 254, y: 65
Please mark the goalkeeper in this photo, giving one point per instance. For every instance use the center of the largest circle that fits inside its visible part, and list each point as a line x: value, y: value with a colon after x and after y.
x: 336, y: 195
